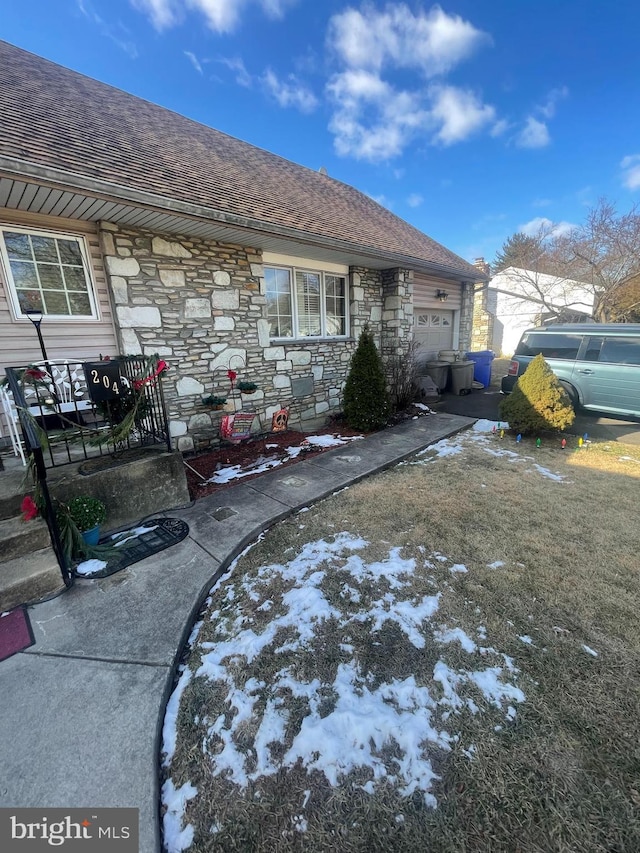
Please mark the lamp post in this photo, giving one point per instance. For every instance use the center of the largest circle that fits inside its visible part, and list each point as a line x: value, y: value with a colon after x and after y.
x: 36, y: 318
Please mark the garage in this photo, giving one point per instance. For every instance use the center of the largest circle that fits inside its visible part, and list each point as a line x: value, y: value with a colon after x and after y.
x: 433, y: 330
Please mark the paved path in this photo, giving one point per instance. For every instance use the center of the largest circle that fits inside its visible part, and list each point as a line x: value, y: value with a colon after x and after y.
x: 81, y: 711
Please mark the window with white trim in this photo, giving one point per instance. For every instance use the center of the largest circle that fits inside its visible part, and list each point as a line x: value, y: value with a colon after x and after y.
x: 47, y: 272
x: 305, y: 303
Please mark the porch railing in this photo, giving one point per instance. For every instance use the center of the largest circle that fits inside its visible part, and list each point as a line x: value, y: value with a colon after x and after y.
x: 34, y: 452
x: 55, y: 401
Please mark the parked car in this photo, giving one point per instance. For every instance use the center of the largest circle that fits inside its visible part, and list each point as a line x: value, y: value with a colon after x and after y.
x: 598, y: 364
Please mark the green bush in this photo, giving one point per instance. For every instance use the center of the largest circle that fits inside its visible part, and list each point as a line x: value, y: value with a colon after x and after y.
x: 538, y: 401
x: 86, y: 512
x: 366, y: 402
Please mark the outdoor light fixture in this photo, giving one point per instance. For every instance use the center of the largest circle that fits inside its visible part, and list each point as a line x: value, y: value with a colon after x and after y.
x: 442, y: 295
x: 35, y: 316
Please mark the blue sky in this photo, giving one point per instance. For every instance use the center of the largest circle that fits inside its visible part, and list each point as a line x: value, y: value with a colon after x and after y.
x: 470, y: 120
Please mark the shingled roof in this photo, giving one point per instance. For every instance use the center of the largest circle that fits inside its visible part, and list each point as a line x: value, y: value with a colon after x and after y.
x: 53, y: 117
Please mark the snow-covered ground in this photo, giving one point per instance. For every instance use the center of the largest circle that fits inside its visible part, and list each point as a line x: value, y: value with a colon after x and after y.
x: 274, y: 460
x: 414, y: 716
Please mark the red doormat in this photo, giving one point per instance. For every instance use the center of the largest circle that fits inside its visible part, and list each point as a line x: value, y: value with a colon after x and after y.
x: 15, y: 632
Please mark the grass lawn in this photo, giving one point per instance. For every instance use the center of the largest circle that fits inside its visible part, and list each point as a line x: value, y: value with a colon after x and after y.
x: 444, y: 657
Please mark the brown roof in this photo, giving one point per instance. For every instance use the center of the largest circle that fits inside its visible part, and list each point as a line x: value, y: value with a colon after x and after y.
x: 52, y: 116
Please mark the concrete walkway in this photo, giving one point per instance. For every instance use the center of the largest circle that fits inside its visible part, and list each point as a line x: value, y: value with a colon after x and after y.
x: 81, y: 711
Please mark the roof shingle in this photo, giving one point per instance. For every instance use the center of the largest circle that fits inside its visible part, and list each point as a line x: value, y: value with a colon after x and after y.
x: 55, y: 117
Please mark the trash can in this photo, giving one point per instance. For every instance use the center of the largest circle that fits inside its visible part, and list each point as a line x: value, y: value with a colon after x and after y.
x: 462, y: 376
x: 482, y: 369
x: 439, y: 372
x: 448, y: 355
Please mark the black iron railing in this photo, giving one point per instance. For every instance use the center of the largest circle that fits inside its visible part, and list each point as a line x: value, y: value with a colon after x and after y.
x: 34, y: 453
x: 79, y: 410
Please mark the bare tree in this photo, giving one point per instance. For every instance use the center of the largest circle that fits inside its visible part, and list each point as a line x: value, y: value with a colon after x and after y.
x: 593, y: 268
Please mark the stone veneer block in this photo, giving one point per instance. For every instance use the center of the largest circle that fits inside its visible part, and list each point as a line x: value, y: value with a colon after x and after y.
x: 223, y: 359
x: 224, y: 324
x: 264, y: 333
x: 172, y: 278
x: 138, y: 318
x: 321, y: 408
x: 317, y: 370
x: 376, y: 314
x: 257, y: 270
x: 393, y: 302
x: 299, y: 357
x: 169, y: 248
x: 158, y: 350
x: 284, y: 366
x: 221, y: 278
x: 195, y: 309
x: 200, y: 421
x: 225, y: 299
x: 187, y: 386
x: 130, y: 342
x: 122, y: 266
x: 119, y: 288
x: 357, y: 294
x: 274, y: 354
x: 177, y: 428
x: 301, y: 387
x: 281, y: 381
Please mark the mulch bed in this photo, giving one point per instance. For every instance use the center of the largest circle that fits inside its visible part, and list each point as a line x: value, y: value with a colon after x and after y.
x: 248, y: 453
x: 272, y: 446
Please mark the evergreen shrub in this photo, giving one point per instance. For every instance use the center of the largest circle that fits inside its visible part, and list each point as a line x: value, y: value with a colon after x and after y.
x: 538, y: 401
x: 366, y: 401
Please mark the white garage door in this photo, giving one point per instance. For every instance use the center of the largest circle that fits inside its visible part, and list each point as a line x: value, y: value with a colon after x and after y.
x: 433, y: 330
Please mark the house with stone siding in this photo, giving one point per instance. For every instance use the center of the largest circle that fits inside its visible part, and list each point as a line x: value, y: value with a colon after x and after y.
x: 137, y: 230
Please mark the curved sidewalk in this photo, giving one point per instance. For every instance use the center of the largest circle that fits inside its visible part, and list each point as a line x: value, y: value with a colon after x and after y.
x: 82, y: 709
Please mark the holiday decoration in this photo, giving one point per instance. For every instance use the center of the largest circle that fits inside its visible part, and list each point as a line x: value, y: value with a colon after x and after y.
x: 519, y: 438
x: 563, y: 443
x: 580, y: 441
x: 538, y: 442
x: 501, y: 433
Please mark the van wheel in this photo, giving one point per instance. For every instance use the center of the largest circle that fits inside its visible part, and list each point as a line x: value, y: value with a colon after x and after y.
x: 571, y: 393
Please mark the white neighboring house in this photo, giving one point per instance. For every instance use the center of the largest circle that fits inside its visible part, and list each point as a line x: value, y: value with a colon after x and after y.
x: 517, y: 299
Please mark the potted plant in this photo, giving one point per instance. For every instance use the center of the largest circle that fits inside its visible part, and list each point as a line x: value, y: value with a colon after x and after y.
x: 87, y: 513
x: 247, y: 387
x: 214, y: 402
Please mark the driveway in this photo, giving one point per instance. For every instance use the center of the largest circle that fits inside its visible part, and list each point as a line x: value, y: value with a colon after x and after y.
x: 484, y: 404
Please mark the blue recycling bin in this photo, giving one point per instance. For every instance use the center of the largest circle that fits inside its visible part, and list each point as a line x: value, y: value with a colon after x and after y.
x: 482, y: 366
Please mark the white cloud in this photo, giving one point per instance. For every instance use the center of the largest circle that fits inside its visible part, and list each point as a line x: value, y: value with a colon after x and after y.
x: 193, y: 59
x: 500, y: 127
x: 382, y: 200
x: 459, y: 112
x: 235, y: 64
x: 432, y: 41
x: 222, y: 16
x: 415, y: 200
x: 548, y: 108
x: 534, y: 134
x: 163, y: 13
x: 117, y: 33
x: 541, y: 226
x: 289, y: 92
x: 375, y: 119
x: 372, y: 120
x: 631, y: 171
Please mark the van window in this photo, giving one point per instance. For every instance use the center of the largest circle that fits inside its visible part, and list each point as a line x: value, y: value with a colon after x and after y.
x: 551, y: 345
x: 621, y: 350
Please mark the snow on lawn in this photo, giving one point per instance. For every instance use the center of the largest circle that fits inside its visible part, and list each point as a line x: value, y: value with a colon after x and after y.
x: 486, y: 435
x: 265, y: 463
x: 355, y: 719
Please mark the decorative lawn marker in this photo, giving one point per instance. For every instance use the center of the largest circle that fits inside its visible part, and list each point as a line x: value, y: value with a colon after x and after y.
x: 493, y: 429
x: 585, y: 437
x: 538, y: 442
x: 501, y: 433
x: 580, y: 441
x: 563, y: 443
x: 518, y: 438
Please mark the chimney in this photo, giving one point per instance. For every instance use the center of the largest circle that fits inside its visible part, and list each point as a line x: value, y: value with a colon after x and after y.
x: 482, y: 265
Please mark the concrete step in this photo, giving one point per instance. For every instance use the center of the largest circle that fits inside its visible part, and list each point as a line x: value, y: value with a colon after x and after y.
x: 28, y: 579
x: 18, y: 537
x: 12, y: 491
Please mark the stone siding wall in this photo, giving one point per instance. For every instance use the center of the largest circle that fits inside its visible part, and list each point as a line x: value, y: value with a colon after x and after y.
x: 397, y: 313
x: 200, y: 305
x: 466, y: 317
x: 482, y: 334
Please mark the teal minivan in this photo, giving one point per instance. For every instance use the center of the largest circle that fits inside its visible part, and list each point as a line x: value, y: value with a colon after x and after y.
x: 597, y: 363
